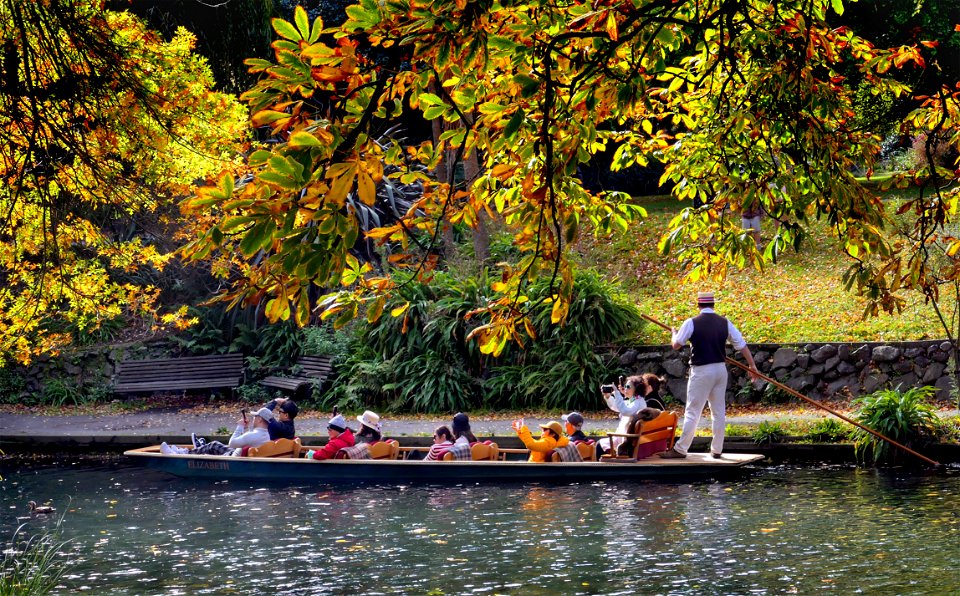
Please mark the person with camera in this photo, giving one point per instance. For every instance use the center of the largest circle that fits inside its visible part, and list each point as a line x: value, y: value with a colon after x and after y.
x: 708, y: 334
x: 256, y: 436
x: 285, y: 410
x: 625, y: 400
x: 550, y: 439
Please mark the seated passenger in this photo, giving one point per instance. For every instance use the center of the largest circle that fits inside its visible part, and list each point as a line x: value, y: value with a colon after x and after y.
x: 650, y: 390
x: 573, y: 424
x: 442, y: 440
x: 340, y: 437
x: 369, y: 428
x: 551, y: 438
x: 255, y: 437
x: 281, y: 427
x: 461, y: 429
x: 626, y: 404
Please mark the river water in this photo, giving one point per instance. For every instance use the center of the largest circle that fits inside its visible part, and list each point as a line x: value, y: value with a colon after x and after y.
x: 778, y: 530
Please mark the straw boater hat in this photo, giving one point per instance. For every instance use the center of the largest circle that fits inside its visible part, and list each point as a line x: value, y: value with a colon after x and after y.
x: 705, y: 298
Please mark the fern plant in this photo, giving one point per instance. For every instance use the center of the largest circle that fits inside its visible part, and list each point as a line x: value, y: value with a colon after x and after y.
x: 906, y: 417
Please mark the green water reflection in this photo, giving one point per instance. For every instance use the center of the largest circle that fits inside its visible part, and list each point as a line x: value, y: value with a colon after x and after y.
x: 780, y: 530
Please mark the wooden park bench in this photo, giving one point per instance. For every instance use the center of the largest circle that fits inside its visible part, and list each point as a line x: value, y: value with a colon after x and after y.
x: 219, y: 371
x: 310, y: 370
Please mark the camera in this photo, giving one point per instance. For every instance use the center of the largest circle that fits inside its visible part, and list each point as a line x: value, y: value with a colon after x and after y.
x: 606, y: 388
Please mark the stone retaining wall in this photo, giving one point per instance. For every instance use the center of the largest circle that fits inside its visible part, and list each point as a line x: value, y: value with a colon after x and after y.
x: 817, y: 370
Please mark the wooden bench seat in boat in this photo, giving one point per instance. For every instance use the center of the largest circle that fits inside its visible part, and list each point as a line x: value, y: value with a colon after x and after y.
x: 587, y: 449
x: 308, y: 370
x: 648, y: 438
x: 485, y: 451
x: 218, y: 371
x: 277, y: 448
x: 386, y: 449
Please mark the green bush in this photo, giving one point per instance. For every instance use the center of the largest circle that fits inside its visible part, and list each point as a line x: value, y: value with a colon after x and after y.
x: 768, y: 433
x: 905, y: 417
x: 830, y: 430
x: 62, y: 392
x: 12, y: 383
x: 422, y: 361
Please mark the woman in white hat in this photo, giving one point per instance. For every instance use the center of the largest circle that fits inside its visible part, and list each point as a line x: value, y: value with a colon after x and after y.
x: 370, y: 431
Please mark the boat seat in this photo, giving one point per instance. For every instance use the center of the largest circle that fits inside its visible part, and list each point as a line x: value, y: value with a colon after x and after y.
x: 568, y: 453
x: 387, y: 449
x: 278, y: 448
x: 487, y: 450
x: 648, y: 438
x: 587, y: 449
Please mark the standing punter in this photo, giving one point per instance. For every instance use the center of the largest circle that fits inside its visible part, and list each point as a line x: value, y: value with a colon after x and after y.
x: 707, y: 333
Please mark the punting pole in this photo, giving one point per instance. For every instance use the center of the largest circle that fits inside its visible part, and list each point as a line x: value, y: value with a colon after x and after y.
x: 815, y: 403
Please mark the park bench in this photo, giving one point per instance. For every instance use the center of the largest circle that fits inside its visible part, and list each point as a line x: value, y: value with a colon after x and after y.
x: 218, y: 371
x: 309, y: 370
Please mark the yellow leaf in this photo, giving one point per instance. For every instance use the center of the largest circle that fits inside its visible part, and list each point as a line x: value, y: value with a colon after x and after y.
x: 559, y: 312
x: 340, y: 187
x: 366, y: 188
x: 400, y: 309
x: 612, y: 26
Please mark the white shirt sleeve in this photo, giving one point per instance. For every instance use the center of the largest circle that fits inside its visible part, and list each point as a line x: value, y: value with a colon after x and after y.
x: 623, y: 408
x: 684, y: 332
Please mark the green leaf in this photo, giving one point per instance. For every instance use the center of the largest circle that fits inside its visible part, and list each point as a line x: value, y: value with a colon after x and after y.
x: 837, y: 6
x: 285, y: 30
x: 514, y: 124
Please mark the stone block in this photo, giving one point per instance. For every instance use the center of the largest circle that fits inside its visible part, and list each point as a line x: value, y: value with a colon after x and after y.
x: 843, y: 352
x: 802, y: 384
x: 845, y: 368
x: 912, y: 353
x: 939, y: 356
x: 628, y: 358
x: 823, y: 353
x: 945, y: 346
x: 841, y: 385
x: 933, y: 372
x: 921, y: 361
x: 803, y: 360
x: 903, y: 367
x: 675, y: 368
x: 678, y: 389
x: 784, y: 358
x: 945, y: 387
x: 885, y: 354
x: 861, y: 354
x: 831, y: 363
x: 904, y: 382
x: 816, y: 369
x: 873, y: 381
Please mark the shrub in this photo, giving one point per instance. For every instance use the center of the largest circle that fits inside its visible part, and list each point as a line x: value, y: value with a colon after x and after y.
x: 62, y: 392
x: 830, y: 430
x: 905, y: 417
x: 768, y: 433
x: 12, y: 383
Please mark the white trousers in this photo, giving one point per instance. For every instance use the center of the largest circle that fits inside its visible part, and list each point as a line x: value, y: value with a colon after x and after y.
x: 707, y: 383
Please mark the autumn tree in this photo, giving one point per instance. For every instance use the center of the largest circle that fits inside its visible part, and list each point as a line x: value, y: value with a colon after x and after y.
x: 102, y: 123
x: 743, y: 102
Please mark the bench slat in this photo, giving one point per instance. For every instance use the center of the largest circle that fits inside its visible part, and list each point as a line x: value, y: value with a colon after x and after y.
x: 170, y: 374
x: 310, y: 369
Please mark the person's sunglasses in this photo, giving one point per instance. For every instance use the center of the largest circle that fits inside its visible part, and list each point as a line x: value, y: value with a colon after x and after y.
x: 628, y: 386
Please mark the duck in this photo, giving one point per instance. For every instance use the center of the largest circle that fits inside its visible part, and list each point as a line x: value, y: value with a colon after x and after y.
x: 40, y: 509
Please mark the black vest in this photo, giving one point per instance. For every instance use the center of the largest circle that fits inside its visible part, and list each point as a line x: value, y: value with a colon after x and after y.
x: 708, y: 339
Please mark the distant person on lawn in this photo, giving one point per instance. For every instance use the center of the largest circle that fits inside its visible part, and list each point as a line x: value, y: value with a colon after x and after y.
x: 707, y: 333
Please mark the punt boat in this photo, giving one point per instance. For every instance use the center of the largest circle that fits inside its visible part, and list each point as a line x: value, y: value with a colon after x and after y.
x: 393, y: 471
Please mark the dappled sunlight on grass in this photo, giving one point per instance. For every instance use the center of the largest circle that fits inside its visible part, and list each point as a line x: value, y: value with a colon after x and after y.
x: 799, y: 299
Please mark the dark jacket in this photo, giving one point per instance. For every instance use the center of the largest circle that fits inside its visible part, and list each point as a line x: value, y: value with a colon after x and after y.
x: 277, y: 429
x: 578, y: 436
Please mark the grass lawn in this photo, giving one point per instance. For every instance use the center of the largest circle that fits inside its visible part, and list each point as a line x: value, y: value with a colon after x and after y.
x: 799, y: 299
